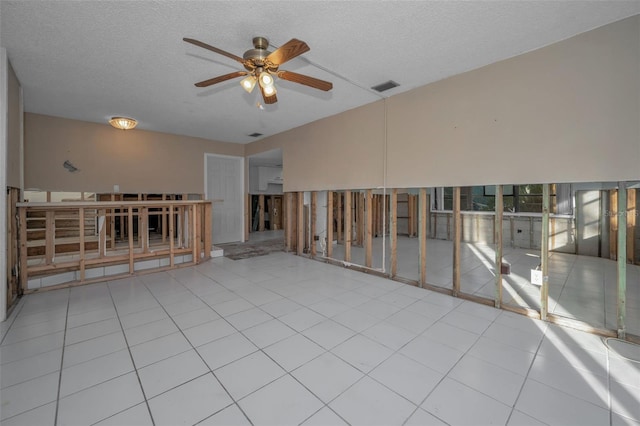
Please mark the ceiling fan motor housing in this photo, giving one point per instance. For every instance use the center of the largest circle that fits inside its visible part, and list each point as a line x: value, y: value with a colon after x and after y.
x: 258, y: 54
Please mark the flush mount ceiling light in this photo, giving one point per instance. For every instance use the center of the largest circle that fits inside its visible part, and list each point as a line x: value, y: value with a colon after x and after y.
x: 123, y: 123
x: 262, y: 65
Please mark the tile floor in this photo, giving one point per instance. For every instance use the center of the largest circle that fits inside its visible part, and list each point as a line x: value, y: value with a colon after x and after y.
x: 580, y: 287
x: 280, y: 340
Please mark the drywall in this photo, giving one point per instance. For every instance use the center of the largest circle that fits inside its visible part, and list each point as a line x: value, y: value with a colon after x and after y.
x: 566, y: 113
x: 14, y: 128
x: 345, y: 151
x: 136, y: 160
x: 569, y: 112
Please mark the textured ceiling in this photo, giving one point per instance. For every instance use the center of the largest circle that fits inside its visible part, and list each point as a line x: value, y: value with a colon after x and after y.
x: 90, y: 60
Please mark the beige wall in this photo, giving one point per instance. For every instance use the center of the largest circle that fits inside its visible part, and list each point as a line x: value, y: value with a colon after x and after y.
x: 136, y: 160
x: 568, y: 112
x: 345, y: 151
x: 14, y: 129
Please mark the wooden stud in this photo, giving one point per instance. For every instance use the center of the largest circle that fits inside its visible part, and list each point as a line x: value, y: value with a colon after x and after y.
x: 422, y: 235
x: 312, y: 237
x: 544, y: 254
x: 410, y: 215
x: 632, y: 213
x: 393, y: 231
x: 102, y: 236
x: 207, y: 233
x: 272, y: 222
x: 50, y: 235
x: 81, y: 242
x: 23, y: 248
x: 130, y: 235
x: 197, y: 229
x: 288, y: 221
x: 497, y: 237
x: 329, y: 240
x: 368, y: 243
x: 457, y: 228
x: 170, y: 236
x: 164, y: 221
x: 347, y: 226
x: 261, y: 213
x: 339, y: 215
x: 112, y: 225
x: 613, y: 225
x: 143, y: 230
x: 300, y: 224
x: 622, y: 260
x: 360, y: 219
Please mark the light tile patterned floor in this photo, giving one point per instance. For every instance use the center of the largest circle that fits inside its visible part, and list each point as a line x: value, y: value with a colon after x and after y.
x: 280, y: 340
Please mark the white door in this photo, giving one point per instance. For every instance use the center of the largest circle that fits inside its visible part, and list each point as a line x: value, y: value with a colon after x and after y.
x: 224, y: 180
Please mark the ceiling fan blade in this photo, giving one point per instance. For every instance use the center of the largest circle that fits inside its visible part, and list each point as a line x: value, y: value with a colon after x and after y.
x: 288, y: 51
x: 221, y: 78
x: 214, y: 49
x: 306, y: 80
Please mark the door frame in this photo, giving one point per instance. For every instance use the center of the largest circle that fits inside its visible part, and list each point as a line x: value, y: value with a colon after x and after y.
x: 242, y: 189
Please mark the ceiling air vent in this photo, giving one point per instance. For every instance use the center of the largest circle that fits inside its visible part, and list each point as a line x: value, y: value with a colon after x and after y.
x: 255, y: 135
x: 385, y: 86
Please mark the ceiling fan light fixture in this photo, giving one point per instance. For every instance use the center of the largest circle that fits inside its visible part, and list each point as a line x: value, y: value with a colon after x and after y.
x: 123, y: 123
x: 248, y: 83
x: 265, y: 79
x: 269, y: 90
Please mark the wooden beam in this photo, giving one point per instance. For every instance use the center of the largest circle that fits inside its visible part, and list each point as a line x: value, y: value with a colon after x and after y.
x: 329, y: 244
x: 613, y: 225
x: 198, y: 238
x: 102, y: 235
x: 422, y: 235
x: 314, y: 217
x: 632, y: 214
x: 208, y: 230
x: 544, y: 254
x: 50, y: 236
x: 23, y: 248
x: 164, y: 220
x: 347, y: 226
x: 143, y: 230
x: 368, y: 243
x: 81, y: 242
x: 456, y: 240
x: 497, y: 237
x: 300, y: 224
x: 622, y: 259
x: 130, y: 235
x: 360, y: 219
x: 112, y: 225
x: 339, y: 215
x: 170, y: 236
x: 260, y: 212
x: 288, y: 221
x: 393, y: 232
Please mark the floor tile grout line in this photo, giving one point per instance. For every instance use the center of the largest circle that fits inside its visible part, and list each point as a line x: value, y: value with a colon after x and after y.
x: 64, y: 337
x: 135, y: 367
x: 196, y: 351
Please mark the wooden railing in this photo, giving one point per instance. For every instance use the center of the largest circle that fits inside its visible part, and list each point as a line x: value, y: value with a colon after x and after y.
x: 71, y: 243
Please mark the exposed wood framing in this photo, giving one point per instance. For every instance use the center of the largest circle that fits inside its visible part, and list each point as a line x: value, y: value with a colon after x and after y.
x: 347, y: 226
x: 81, y: 241
x: 261, y: 212
x: 613, y: 225
x: 22, y: 214
x: 50, y: 236
x: 288, y: 221
x: 544, y: 254
x: 329, y: 244
x: 368, y: 222
x: 457, y: 227
x: 622, y: 260
x: 300, y: 225
x: 393, y: 231
x: 247, y: 216
x: 497, y: 238
x: 632, y: 215
x: 314, y: 217
x: 359, y: 200
x: 130, y: 232
x: 339, y: 227
x: 422, y: 235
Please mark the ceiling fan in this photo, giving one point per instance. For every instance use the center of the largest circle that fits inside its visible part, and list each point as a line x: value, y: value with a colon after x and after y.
x: 262, y: 65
